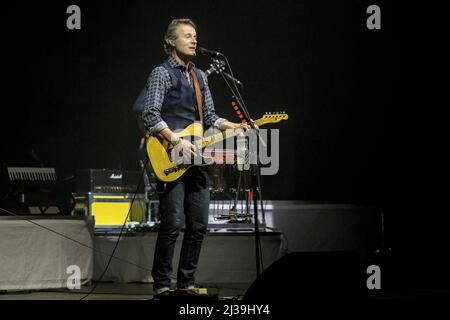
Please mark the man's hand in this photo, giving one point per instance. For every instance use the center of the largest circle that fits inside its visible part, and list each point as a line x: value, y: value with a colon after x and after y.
x: 255, y: 125
x: 245, y: 126
x: 233, y: 125
x: 188, y: 146
x: 184, y: 150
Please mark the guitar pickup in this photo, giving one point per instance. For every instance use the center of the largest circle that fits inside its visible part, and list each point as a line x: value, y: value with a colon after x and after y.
x: 171, y: 170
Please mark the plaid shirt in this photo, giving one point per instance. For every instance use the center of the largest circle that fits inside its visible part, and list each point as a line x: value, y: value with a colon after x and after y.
x: 158, y: 84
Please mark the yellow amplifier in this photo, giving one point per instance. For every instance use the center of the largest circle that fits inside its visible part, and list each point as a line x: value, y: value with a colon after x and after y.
x: 112, y: 209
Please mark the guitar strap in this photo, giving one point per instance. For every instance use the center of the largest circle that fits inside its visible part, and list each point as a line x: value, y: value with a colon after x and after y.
x: 198, y: 94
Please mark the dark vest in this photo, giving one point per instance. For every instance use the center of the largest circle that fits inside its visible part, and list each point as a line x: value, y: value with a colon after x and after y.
x: 179, y: 108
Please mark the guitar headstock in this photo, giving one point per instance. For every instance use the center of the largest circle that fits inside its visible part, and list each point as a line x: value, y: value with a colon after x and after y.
x: 272, y: 117
x: 218, y: 65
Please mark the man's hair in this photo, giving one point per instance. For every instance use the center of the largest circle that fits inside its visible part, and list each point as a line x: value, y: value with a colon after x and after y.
x: 171, y: 33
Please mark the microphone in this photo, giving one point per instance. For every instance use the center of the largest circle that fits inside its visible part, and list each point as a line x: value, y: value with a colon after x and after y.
x: 230, y: 77
x: 204, y: 51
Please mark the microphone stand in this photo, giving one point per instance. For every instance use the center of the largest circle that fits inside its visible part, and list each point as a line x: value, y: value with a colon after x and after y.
x: 254, y: 168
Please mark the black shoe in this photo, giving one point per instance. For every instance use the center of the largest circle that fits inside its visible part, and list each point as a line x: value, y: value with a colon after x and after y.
x: 162, y: 293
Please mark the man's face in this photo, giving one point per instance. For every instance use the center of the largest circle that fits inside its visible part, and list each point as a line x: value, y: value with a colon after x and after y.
x: 186, y: 42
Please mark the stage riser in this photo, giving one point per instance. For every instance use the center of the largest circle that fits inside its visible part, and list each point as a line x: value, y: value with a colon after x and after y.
x: 225, y: 258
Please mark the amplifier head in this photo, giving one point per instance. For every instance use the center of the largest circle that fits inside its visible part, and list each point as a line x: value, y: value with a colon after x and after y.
x: 108, y: 181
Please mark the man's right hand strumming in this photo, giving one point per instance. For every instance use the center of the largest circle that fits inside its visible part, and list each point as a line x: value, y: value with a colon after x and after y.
x: 184, y: 149
x: 183, y: 145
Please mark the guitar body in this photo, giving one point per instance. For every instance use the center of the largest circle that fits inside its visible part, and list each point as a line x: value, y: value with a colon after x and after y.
x: 158, y: 150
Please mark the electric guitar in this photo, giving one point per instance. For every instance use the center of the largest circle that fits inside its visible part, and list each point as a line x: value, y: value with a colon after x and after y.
x: 159, y: 149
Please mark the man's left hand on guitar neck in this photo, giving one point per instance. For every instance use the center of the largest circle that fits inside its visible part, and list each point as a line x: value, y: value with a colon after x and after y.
x: 233, y: 125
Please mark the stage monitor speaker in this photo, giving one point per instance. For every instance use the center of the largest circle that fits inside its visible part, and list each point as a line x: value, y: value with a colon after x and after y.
x: 310, y: 277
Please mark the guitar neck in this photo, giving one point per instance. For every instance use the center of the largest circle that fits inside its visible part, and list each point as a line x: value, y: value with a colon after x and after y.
x: 219, y: 137
x: 229, y: 133
x: 268, y: 118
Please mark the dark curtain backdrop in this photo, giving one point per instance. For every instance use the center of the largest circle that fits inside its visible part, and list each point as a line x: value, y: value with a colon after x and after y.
x: 68, y: 93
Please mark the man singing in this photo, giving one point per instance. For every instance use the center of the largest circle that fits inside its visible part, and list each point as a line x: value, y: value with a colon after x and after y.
x: 178, y: 95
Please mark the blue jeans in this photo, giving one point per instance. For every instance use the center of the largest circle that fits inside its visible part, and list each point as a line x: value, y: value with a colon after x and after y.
x: 189, y: 195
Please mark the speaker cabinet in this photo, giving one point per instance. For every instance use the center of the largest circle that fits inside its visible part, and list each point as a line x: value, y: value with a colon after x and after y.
x: 112, y: 209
